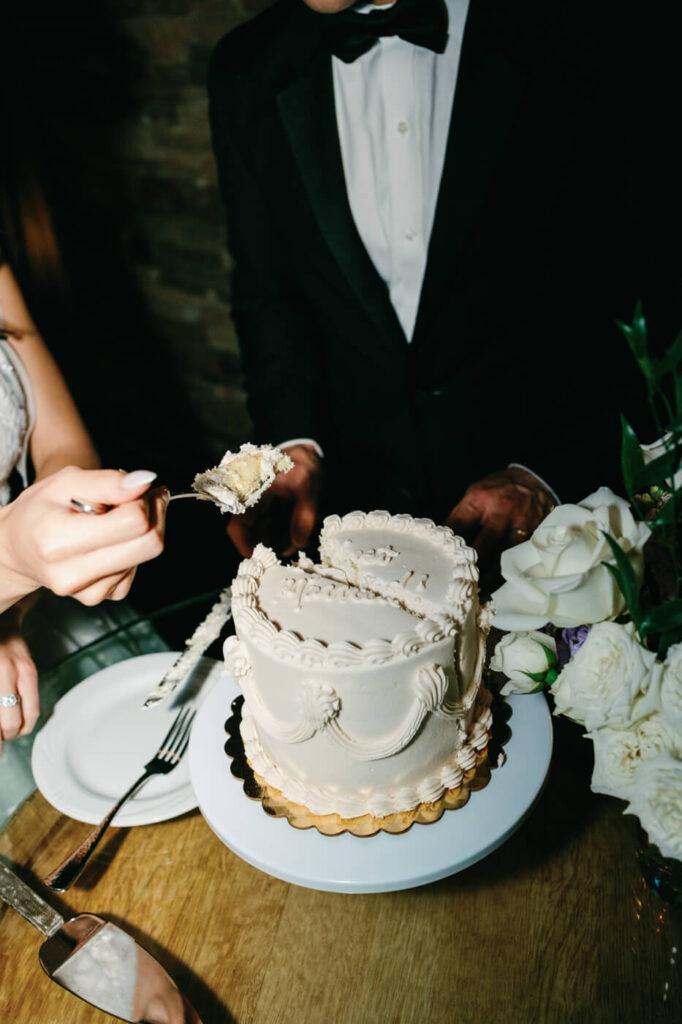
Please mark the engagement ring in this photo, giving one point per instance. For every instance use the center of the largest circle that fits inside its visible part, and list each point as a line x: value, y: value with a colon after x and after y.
x: 10, y: 700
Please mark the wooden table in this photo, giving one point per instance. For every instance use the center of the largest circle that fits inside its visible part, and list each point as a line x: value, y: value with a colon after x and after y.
x: 556, y: 925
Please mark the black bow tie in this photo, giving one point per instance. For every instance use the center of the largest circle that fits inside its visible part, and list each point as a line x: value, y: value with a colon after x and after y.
x: 422, y: 22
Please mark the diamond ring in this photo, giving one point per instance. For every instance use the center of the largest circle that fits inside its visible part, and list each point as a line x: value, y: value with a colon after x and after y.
x: 10, y: 700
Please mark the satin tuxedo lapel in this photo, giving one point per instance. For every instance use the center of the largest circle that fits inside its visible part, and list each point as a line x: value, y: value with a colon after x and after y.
x: 488, y: 90
x: 306, y: 108
x: 489, y: 87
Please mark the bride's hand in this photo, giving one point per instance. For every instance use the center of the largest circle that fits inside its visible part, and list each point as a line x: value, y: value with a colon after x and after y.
x: 44, y: 541
x: 18, y: 677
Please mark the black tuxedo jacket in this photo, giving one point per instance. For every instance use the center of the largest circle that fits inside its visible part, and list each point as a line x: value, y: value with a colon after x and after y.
x: 536, y: 249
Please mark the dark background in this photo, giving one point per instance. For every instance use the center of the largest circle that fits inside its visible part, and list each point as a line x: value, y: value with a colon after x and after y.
x: 105, y: 104
x: 108, y: 176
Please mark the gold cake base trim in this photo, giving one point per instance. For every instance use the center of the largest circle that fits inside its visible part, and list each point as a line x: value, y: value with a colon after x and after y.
x: 276, y: 804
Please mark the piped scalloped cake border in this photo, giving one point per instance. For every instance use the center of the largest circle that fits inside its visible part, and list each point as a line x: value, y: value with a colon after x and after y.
x: 461, y: 590
x: 276, y: 805
x: 311, y: 652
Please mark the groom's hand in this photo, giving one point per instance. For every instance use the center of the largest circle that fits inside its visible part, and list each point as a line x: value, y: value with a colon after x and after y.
x: 285, y: 516
x: 499, y: 511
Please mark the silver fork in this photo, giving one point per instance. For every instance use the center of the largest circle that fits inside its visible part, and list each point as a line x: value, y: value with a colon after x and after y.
x: 98, y: 508
x: 166, y: 758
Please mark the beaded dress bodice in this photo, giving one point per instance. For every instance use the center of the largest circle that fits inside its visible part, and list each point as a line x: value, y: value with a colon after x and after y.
x: 16, y: 417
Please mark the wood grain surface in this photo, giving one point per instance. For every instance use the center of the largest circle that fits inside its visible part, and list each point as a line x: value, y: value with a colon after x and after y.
x: 556, y: 925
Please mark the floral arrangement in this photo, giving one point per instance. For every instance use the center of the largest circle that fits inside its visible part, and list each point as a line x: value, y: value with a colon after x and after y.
x: 593, y: 605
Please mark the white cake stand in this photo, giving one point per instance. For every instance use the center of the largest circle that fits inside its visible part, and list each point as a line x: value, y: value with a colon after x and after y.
x: 379, y: 863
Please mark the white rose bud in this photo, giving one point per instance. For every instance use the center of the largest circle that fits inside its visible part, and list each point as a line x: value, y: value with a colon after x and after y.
x: 526, y: 659
x: 619, y: 753
x: 657, y: 801
x: 558, y: 575
x: 611, y: 680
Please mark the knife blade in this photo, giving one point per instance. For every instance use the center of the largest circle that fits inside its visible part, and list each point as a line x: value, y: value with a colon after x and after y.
x: 201, y: 639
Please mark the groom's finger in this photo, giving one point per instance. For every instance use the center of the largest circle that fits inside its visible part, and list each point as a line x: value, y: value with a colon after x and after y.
x: 250, y: 528
x: 465, y: 520
x: 302, y: 522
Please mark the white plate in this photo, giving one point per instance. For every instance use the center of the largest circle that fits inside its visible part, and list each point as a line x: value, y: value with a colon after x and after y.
x: 98, y: 740
x: 379, y: 863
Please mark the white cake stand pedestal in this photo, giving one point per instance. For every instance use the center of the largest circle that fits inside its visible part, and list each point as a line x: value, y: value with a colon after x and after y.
x: 383, y: 862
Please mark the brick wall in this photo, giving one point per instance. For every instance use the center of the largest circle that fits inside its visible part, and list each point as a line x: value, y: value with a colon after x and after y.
x: 183, y: 267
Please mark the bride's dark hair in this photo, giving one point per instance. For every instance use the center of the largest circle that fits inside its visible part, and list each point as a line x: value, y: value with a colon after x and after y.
x: 28, y: 241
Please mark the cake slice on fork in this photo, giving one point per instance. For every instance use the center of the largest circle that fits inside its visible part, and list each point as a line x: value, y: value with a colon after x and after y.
x: 240, y: 478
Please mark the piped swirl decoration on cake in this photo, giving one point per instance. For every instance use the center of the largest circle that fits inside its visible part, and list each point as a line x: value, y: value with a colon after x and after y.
x: 319, y: 709
x: 319, y: 799
x: 372, y: 657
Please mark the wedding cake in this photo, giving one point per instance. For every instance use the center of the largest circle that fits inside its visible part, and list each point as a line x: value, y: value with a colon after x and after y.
x: 362, y: 674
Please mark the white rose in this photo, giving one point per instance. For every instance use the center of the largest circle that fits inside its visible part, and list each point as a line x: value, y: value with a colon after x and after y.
x: 657, y: 802
x: 610, y: 680
x: 520, y: 653
x: 557, y: 575
x: 671, y: 686
x: 619, y: 753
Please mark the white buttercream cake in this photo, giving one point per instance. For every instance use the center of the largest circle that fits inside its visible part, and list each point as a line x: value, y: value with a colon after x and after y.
x: 361, y: 674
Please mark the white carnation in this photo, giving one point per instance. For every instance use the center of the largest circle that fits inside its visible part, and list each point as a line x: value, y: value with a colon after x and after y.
x: 611, y: 680
x: 657, y: 801
x: 558, y: 575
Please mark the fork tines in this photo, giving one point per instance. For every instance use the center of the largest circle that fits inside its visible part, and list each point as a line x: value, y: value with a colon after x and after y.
x: 174, y: 745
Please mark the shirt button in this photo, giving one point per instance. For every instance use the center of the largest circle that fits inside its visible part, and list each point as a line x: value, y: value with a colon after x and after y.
x: 403, y: 126
x: 410, y: 235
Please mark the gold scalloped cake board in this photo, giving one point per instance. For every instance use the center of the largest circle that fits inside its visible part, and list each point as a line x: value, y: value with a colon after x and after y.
x: 277, y: 805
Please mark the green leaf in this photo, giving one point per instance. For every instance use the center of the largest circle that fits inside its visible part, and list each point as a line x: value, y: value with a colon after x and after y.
x: 632, y: 459
x: 673, y: 357
x: 668, y: 515
x: 537, y: 677
x: 659, y: 470
x: 624, y: 574
x: 550, y: 655
x: 636, y: 336
x: 636, y: 333
x: 667, y: 639
x: 663, y: 618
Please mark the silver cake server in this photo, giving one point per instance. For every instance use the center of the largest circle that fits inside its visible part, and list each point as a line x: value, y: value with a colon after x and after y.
x: 99, y: 962
x: 201, y: 639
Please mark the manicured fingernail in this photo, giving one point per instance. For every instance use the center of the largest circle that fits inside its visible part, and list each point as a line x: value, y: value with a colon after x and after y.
x: 137, y: 478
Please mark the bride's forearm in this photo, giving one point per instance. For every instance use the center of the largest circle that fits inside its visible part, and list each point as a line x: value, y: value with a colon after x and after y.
x: 13, y: 585
x: 82, y: 455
